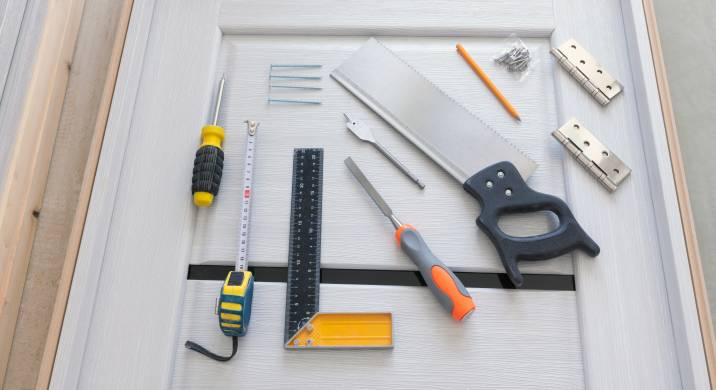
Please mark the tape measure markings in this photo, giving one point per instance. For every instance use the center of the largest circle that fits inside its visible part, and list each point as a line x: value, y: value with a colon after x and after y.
x: 241, y: 259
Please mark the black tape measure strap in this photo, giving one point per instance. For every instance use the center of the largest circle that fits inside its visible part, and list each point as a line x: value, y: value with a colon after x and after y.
x: 198, y: 348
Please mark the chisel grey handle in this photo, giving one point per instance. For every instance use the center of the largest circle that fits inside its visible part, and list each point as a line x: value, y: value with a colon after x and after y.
x: 398, y: 164
x: 446, y: 287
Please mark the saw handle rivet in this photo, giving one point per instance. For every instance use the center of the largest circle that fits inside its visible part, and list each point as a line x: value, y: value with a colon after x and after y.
x: 508, y: 192
x: 500, y: 174
x: 488, y: 184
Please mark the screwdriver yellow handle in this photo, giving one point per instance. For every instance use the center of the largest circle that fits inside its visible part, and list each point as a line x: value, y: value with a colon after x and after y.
x: 208, y: 166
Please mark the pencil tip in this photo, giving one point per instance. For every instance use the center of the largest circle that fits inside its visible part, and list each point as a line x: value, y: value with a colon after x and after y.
x: 518, y: 118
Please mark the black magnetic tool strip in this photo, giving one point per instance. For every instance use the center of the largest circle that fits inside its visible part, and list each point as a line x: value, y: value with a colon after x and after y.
x: 390, y: 277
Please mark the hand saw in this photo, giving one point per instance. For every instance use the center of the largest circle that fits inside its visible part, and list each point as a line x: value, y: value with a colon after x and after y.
x: 489, y: 168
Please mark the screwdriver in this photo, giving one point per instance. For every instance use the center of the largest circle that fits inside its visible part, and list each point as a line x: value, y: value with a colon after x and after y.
x: 446, y: 287
x: 209, y: 159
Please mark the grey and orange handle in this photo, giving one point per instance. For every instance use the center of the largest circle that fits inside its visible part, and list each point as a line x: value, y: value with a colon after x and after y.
x: 446, y: 287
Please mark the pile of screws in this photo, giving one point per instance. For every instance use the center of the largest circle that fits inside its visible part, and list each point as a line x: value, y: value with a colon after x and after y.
x: 516, y: 59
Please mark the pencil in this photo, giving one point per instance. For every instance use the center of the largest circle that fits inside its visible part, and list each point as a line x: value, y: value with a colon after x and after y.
x: 488, y: 82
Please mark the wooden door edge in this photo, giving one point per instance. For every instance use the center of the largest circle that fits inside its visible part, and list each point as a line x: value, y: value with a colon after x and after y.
x: 73, y: 246
x: 22, y: 193
x: 682, y: 193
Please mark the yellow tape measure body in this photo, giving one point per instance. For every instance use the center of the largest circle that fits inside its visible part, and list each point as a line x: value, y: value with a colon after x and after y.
x: 235, y: 303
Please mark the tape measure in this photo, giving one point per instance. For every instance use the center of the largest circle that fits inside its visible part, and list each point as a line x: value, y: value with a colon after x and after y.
x: 234, y: 306
x: 234, y: 303
x: 306, y: 327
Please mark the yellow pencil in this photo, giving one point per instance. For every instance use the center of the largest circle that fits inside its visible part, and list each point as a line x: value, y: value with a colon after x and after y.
x: 488, y: 82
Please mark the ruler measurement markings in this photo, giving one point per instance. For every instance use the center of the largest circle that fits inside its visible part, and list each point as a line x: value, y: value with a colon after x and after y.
x: 304, y: 249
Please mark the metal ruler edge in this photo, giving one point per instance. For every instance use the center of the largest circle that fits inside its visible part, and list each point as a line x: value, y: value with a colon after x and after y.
x: 290, y: 330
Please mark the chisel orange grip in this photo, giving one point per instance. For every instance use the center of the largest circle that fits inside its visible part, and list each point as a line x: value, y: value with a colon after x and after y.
x: 446, y: 287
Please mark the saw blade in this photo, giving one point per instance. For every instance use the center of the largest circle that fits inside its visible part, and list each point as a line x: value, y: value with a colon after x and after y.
x: 446, y: 131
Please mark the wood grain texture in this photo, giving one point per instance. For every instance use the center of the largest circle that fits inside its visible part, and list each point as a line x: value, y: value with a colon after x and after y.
x: 375, y: 17
x: 80, y: 332
x: 21, y: 193
x: 680, y: 289
x: 142, y: 230
x: 515, y: 340
x: 631, y: 336
x: 79, y: 138
x: 70, y: 351
x: 686, y: 214
x: 346, y: 207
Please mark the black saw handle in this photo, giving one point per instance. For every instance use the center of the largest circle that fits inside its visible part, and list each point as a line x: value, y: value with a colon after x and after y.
x: 500, y: 190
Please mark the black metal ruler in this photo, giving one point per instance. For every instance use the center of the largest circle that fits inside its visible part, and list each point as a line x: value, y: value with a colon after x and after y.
x: 304, y: 251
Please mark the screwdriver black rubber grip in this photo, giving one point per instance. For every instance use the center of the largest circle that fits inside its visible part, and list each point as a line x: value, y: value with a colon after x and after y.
x: 208, y: 168
x: 500, y: 190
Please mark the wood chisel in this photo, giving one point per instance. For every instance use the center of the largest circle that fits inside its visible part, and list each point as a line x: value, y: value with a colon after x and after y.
x: 235, y: 297
x: 363, y: 132
x: 306, y: 327
x: 446, y: 287
x: 487, y: 166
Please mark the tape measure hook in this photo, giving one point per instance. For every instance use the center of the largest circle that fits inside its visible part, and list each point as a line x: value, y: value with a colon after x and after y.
x: 252, y: 126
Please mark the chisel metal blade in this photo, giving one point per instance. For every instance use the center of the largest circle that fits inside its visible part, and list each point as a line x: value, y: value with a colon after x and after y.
x: 447, y: 132
x: 368, y: 186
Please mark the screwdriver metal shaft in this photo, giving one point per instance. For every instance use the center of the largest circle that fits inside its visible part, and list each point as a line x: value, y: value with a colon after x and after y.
x: 219, y: 96
x: 209, y: 158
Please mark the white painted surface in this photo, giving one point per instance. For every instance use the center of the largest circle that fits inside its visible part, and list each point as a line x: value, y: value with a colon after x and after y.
x: 21, y: 23
x: 11, y: 13
x: 515, y: 340
x: 66, y: 373
x: 142, y: 230
x: 346, y: 207
x: 677, y: 273
x: 692, y: 82
x: 632, y: 324
x: 376, y: 17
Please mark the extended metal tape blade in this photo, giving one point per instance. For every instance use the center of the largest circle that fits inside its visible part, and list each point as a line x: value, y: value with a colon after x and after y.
x: 447, y: 132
